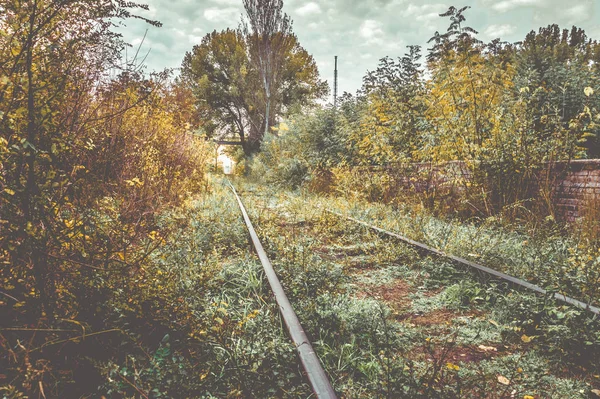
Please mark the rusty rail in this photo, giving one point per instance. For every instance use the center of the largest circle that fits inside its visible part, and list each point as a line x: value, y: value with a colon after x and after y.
x: 499, y: 275
x: 317, y: 377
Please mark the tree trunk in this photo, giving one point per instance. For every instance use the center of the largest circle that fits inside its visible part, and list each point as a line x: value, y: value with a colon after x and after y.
x: 36, y: 245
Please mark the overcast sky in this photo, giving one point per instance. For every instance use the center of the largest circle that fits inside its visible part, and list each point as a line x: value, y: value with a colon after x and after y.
x: 360, y: 32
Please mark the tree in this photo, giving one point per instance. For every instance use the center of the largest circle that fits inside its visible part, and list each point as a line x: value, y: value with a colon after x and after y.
x: 458, y: 38
x: 466, y: 88
x: 221, y: 77
x: 555, y: 66
x: 229, y: 86
x: 279, y: 60
x: 392, y: 126
x: 269, y: 32
x: 51, y: 58
x: 86, y: 164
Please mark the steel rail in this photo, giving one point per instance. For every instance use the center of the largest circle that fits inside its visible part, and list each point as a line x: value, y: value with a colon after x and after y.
x: 317, y: 377
x: 513, y: 280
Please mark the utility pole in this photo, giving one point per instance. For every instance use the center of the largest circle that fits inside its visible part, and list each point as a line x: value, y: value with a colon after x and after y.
x: 335, y: 84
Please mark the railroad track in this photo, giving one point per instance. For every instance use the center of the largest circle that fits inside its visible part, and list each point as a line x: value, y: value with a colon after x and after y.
x: 513, y: 281
x: 317, y: 377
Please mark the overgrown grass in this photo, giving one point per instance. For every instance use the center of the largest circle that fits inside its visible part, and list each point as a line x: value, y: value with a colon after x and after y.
x: 230, y: 341
x: 198, y: 319
x: 553, y: 261
x: 378, y: 342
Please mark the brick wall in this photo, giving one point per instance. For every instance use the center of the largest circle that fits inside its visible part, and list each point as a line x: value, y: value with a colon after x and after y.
x: 577, y: 187
x: 571, y: 186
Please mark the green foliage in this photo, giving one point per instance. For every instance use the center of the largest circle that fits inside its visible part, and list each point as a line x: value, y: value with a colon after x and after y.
x: 243, y: 85
x: 126, y: 272
x: 302, y: 148
x: 502, y: 112
x: 467, y: 294
x: 395, y: 325
x: 87, y: 163
x: 219, y: 73
x: 392, y: 125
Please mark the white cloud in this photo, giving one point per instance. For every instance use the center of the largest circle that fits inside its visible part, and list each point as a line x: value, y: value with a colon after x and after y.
x: 308, y: 9
x: 178, y: 32
x: 229, y: 14
x: 227, y: 2
x: 499, y: 31
x: 507, y: 5
x: 370, y: 29
x: 424, y: 12
x: 580, y: 12
x: 192, y: 39
x: 428, y: 17
x: 551, y: 11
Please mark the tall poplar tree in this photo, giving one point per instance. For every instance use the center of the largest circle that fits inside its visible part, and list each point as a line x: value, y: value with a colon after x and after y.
x: 269, y: 33
x: 245, y: 79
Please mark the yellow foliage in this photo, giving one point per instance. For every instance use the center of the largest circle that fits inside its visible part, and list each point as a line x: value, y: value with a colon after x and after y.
x: 451, y: 366
x: 463, y: 107
x: 526, y: 338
